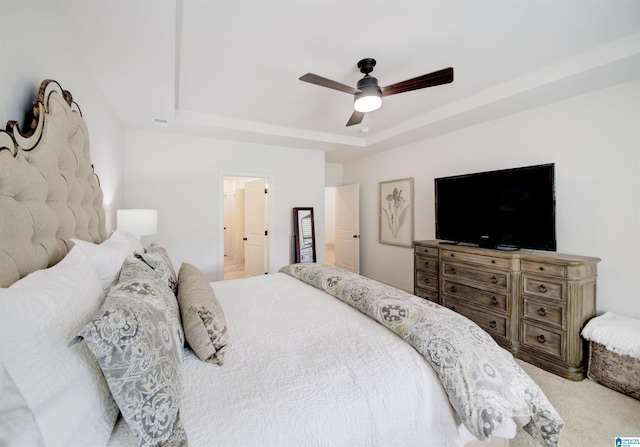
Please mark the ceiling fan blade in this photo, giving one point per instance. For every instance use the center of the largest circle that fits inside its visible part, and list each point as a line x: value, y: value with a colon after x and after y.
x: 356, y: 118
x: 324, y: 82
x: 439, y: 77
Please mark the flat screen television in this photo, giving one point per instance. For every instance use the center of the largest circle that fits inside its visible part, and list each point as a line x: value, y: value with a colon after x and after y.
x: 506, y: 209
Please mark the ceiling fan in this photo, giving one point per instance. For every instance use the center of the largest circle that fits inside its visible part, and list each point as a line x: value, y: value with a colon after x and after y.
x: 367, y: 97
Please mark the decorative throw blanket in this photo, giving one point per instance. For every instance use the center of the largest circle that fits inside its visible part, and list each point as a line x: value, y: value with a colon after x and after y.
x: 485, y: 385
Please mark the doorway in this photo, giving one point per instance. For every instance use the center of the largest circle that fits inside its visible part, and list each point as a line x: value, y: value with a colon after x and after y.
x: 330, y: 225
x: 245, y: 209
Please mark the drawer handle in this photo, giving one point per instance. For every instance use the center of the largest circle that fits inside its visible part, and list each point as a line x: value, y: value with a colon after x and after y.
x: 493, y: 261
x: 452, y: 255
x: 494, y: 300
x: 493, y: 324
x: 541, y: 338
x: 452, y: 288
x: 542, y: 312
x: 426, y: 264
x: 452, y: 271
x: 427, y: 281
x: 542, y: 288
x: 494, y: 280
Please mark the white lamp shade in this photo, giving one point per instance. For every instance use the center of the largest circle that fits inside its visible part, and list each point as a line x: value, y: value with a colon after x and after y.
x: 138, y: 222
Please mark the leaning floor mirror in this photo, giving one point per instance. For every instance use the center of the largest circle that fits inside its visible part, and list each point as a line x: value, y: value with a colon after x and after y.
x: 304, y: 235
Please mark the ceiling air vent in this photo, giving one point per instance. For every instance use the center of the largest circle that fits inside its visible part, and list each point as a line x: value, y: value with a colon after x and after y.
x: 160, y: 121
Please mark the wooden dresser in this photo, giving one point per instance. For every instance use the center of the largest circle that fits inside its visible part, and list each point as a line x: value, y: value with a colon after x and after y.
x: 532, y: 303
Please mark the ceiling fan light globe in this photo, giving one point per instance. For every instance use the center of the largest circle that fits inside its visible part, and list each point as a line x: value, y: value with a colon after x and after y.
x: 367, y: 102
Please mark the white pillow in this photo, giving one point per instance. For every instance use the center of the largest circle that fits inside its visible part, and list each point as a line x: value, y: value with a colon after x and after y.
x: 133, y: 242
x: 62, y: 385
x: 107, y: 258
x: 17, y: 426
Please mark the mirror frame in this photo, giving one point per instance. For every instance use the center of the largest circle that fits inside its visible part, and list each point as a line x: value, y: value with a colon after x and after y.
x: 304, y: 252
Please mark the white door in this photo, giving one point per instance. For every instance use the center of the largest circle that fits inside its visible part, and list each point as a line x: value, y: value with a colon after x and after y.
x: 255, y: 226
x: 348, y: 228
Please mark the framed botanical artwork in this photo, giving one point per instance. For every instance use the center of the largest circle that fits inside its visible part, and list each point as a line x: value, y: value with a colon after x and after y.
x: 396, y: 212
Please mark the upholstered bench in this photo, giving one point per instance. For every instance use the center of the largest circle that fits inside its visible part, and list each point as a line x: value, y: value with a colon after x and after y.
x: 614, y: 352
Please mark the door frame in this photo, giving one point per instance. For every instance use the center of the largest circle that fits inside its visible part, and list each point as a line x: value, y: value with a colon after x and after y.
x: 219, y: 231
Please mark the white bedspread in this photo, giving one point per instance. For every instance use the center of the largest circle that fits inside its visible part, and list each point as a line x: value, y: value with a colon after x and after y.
x: 304, y: 369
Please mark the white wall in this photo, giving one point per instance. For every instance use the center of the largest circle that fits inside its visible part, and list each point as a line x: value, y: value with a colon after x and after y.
x: 330, y: 215
x: 34, y: 46
x: 594, y: 141
x: 334, y: 173
x: 183, y: 178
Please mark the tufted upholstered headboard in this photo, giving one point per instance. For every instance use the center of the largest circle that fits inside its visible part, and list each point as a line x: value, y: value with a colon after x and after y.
x: 48, y: 190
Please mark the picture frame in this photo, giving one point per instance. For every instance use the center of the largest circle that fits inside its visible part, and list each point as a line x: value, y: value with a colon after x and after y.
x: 396, y: 212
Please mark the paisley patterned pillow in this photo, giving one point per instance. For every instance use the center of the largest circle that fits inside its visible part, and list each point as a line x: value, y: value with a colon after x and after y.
x: 140, y: 355
x: 158, y: 259
x: 135, y: 267
x: 205, y: 326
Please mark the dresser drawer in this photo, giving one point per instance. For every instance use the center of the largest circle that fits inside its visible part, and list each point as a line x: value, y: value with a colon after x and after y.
x: 477, y: 297
x: 427, y: 280
x: 544, y: 268
x: 543, y: 287
x: 430, y: 295
x: 431, y: 251
x: 426, y: 263
x: 543, y: 340
x: 448, y: 255
x: 493, y: 324
x: 545, y: 312
x: 483, y: 277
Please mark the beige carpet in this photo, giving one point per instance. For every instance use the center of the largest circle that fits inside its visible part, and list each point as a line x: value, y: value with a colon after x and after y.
x: 593, y: 414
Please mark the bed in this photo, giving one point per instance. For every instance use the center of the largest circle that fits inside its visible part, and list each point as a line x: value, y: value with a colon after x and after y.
x: 107, y: 343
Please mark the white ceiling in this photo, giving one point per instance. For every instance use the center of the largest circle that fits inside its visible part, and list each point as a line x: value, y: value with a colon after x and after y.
x: 230, y: 69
